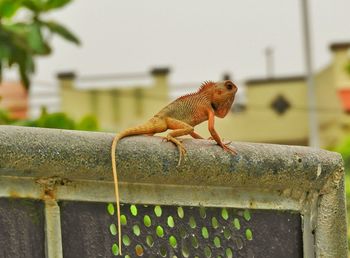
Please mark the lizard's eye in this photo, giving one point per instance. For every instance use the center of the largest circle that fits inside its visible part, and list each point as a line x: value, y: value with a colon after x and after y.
x: 229, y: 86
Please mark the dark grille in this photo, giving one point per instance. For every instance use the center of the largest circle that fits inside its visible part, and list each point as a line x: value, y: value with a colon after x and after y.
x: 21, y: 228
x: 89, y: 230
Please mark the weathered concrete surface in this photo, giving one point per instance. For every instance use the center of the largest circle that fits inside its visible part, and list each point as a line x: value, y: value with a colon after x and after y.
x: 74, y: 155
x: 85, y: 155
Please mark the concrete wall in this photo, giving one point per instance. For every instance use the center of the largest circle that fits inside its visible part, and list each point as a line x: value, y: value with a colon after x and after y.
x: 55, y: 166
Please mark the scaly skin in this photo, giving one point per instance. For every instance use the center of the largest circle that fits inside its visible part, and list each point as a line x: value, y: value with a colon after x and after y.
x: 180, y: 116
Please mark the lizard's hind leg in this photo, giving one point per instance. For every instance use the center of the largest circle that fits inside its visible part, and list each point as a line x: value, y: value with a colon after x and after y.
x: 179, y: 129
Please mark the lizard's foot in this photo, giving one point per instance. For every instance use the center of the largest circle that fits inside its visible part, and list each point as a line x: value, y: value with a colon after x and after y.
x: 179, y: 145
x: 229, y: 149
x: 166, y: 139
x: 225, y: 142
x: 182, y: 153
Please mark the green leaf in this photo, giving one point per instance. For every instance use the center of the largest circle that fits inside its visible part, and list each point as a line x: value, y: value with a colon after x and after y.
x: 40, y: 6
x: 54, y: 4
x: 19, y: 28
x: 28, y: 37
x: 30, y: 65
x: 15, y: 37
x: 24, y: 74
x: 55, y: 27
x: 5, y: 51
x: 9, y: 7
x: 34, y: 5
x: 36, y: 40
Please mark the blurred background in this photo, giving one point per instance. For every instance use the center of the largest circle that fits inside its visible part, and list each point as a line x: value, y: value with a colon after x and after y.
x: 107, y: 65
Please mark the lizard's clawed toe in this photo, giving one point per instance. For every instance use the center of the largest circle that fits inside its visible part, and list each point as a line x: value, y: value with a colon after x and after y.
x: 229, y: 149
x: 182, y: 154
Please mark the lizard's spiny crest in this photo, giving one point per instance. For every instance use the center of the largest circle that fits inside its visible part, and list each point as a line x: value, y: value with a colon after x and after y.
x: 206, y: 85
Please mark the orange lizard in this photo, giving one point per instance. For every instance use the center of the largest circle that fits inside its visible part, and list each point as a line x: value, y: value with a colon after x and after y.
x: 212, y: 99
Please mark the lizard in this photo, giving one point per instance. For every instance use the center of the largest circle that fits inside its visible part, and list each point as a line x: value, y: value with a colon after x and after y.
x: 212, y: 99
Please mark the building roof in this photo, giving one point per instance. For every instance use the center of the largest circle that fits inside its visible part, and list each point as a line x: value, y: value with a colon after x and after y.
x: 259, y: 81
x: 339, y: 46
x: 113, y: 81
x: 107, y: 81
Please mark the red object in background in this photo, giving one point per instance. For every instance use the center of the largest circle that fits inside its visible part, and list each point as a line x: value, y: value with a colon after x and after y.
x: 344, y: 95
x: 14, y: 99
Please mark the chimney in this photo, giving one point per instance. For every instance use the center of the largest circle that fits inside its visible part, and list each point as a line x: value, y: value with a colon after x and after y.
x: 160, y: 75
x: 269, y: 56
x: 66, y: 79
x: 226, y: 76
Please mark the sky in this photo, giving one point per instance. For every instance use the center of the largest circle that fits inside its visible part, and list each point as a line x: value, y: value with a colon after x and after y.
x: 198, y: 39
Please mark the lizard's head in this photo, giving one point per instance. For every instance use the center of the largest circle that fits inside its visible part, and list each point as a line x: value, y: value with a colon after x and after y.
x: 223, y: 95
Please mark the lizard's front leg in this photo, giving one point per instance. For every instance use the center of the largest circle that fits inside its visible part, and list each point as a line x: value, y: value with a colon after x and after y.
x: 215, y: 135
x: 179, y: 129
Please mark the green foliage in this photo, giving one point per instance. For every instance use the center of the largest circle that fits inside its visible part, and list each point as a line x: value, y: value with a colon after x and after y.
x: 4, y: 117
x: 348, y: 67
x: 22, y: 41
x: 344, y: 150
x: 87, y: 123
x: 54, y: 120
x: 62, y: 121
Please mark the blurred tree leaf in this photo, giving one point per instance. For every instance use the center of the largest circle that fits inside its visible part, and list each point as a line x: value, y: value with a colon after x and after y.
x: 14, y: 49
x: 9, y: 7
x: 36, y: 40
x: 53, y: 4
x: 35, y: 6
x: 44, y: 5
x: 59, y: 29
x: 19, y: 28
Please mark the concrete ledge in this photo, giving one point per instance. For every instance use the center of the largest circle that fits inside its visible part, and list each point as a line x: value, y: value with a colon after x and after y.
x: 41, y: 152
x: 276, y: 176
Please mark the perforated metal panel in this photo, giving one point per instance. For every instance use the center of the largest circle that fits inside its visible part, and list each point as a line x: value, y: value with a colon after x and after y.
x: 89, y: 230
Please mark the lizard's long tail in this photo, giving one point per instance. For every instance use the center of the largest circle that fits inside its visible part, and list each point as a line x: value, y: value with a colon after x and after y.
x: 141, y: 129
x: 116, y: 189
